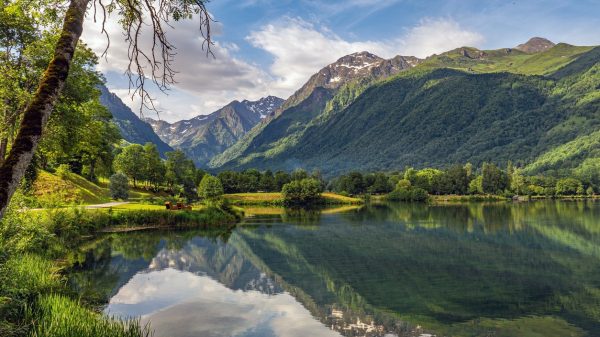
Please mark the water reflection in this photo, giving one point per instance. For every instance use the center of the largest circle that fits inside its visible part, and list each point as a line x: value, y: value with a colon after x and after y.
x: 186, y: 304
x: 502, y: 269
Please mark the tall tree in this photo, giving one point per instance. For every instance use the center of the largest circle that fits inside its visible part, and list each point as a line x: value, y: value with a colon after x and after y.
x: 132, y: 162
x: 210, y: 188
x: 180, y: 172
x: 153, y: 165
x: 494, y: 180
x: 134, y: 15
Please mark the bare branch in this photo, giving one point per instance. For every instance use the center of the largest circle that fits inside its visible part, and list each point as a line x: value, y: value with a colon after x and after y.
x: 156, y: 61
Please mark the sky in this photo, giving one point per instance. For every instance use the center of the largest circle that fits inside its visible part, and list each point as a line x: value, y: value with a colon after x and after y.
x: 272, y: 47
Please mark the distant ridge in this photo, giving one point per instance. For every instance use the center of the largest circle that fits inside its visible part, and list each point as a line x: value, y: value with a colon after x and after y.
x: 535, y: 45
x: 205, y: 136
x: 132, y: 128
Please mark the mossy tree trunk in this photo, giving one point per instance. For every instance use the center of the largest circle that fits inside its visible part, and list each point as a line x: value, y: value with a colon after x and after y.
x: 37, y: 113
x: 3, y: 147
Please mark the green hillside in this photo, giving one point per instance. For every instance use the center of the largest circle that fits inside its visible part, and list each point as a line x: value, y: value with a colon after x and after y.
x: 464, y: 105
x: 52, y: 190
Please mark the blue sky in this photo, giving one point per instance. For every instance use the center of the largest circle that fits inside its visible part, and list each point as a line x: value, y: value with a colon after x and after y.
x: 272, y: 46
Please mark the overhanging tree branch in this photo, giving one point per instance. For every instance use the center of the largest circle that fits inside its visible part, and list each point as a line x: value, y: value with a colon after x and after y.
x: 159, y: 58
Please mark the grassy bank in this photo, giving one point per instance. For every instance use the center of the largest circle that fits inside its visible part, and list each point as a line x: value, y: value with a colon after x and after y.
x: 491, y: 197
x: 276, y: 199
x: 36, y: 245
x: 204, y: 218
x: 51, y: 190
x: 466, y: 198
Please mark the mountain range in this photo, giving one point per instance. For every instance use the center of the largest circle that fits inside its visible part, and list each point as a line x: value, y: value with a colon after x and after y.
x: 525, y: 104
x: 205, y: 136
x: 132, y: 128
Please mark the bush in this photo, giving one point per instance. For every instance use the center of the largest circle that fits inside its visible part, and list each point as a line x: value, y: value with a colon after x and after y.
x: 404, y: 184
x: 408, y: 194
x: 589, y: 191
x: 418, y: 194
x: 119, y: 186
x: 63, y: 171
x: 305, y: 191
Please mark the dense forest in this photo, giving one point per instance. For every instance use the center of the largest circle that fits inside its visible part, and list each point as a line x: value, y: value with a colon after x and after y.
x: 450, y: 108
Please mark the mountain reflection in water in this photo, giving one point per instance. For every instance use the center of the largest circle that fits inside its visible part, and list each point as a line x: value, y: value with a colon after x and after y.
x: 388, y: 270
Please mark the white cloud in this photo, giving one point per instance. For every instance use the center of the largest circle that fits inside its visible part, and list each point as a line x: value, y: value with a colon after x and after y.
x: 182, y: 304
x: 433, y: 36
x: 300, y: 49
x: 206, y: 81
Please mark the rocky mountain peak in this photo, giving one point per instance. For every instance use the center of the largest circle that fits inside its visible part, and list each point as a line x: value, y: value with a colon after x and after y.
x: 535, y: 45
x: 357, y: 63
x: 265, y: 106
x: 207, y: 135
x: 360, y: 65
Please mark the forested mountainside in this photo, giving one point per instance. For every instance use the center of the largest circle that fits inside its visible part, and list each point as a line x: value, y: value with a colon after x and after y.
x: 132, y: 128
x: 205, y: 136
x: 345, y: 78
x: 523, y: 104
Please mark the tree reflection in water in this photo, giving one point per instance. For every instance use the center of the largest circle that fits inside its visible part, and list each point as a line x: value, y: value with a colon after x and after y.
x: 407, y: 269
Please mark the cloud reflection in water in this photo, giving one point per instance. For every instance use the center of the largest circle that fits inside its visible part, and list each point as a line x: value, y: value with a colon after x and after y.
x: 181, y: 304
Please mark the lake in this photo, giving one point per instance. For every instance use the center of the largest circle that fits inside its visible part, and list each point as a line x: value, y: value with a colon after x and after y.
x: 477, y: 269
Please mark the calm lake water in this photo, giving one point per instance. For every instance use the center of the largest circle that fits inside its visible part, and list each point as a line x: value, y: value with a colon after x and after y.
x: 528, y: 269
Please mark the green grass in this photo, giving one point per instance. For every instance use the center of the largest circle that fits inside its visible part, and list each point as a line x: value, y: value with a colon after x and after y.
x: 33, y: 246
x: 207, y: 217
x: 59, y: 316
x: 334, y: 198
x: 138, y: 207
x: 466, y: 198
x: 30, y: 274
x: 515, y: 62
x: 275, y: 198
x: 30, y: 304
x: 50, y: 190
x: 254, y: 198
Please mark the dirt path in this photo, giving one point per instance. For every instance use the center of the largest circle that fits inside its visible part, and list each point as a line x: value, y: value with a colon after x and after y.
x: 106, y: 205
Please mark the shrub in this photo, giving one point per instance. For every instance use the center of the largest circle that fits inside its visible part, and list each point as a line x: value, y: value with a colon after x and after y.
x: 119, y: 186
x: 63, y: 171
x: 418, y: 194
x: 589, y: 191
x: 305, y: 191
x: 404, y: 184
x: 408, y: 194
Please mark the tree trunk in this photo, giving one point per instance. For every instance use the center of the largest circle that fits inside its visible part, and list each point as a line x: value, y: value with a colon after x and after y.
x: 38, y: 111
x: 3, y: 146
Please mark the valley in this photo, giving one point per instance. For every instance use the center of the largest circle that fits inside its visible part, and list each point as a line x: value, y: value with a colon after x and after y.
x: 367, y: 113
